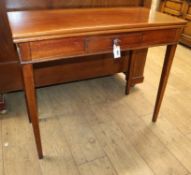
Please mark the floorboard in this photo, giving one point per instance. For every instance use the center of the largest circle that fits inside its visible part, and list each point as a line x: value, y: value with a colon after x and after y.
x: 92, y: 128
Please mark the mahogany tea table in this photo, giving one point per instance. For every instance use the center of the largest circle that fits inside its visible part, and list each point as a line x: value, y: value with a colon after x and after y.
x: 47, y: 35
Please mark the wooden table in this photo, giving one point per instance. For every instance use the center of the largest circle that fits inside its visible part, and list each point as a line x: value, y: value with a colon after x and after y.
x: 44, y: 36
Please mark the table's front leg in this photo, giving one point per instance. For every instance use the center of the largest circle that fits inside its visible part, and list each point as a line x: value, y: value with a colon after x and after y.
x: 170, y: 52
x: 30, y: 94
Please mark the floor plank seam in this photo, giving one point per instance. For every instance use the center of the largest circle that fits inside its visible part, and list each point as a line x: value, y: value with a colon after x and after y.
x: 90, y: 161
x: 137, y: 113
x: 168, y: 149
x: 183, y: 134
x: 133, y: 146
x: 145, y: 115
x: 101, y: 147
x: 77, y: 167
x: 130, y: 143
x: 112, y: 165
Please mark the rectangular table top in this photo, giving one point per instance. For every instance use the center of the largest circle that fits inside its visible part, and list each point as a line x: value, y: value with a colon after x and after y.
x: 45, y: 24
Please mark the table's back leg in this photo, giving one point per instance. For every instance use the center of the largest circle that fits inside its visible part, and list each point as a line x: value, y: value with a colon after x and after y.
x: 170, y: 52
x: 28, y: 80
x: 3, y: 109
x: 129, y: 73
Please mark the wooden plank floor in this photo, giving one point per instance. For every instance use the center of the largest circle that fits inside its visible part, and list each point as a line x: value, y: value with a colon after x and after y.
x: 92, y: 128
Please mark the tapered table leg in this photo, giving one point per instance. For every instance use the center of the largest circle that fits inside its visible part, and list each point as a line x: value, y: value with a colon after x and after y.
x: 129, y: 73
x: 170, y: 52
x: 28, y: 79
x: 27, y: 105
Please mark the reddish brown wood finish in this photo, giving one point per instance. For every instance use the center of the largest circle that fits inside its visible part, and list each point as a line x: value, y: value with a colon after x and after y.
x: 54, y: 49
x: 85, y: 67
x: 140, y: 59
x: 129, y: 73
x: 30, y: 94
x: 57, y: 72
x: 105, y: 43
x: 163, y: 36
x: 181, y: 9
x: 8, y: 55
x: 40, y: 25
x: 11, y: 80
x: 57, y: 48
x: 7, y: 51
x: 95, y: 3
x: 62, y: 71
x: 141, y: 33
x: 24, y: 51
x: 170, y: 52
x: 45, y: 4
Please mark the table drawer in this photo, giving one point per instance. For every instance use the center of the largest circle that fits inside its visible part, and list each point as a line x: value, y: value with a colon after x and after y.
x: 57, y: 48
x: 174, y: 5
x: 160, y: 36
x: 72, y: 47
x: 105, y: 43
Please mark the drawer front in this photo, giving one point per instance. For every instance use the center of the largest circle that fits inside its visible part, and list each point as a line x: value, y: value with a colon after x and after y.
x: 173, y: 7
x: 57, y: 48
x: 131, y: 40
x: 105, y: 43
x: 160, y: 37
x: 80, y: 46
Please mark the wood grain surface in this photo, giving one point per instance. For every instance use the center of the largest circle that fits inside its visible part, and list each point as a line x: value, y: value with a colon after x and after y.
x: 35, y: 25
x: 51, y: 4
x: 11, y: 80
